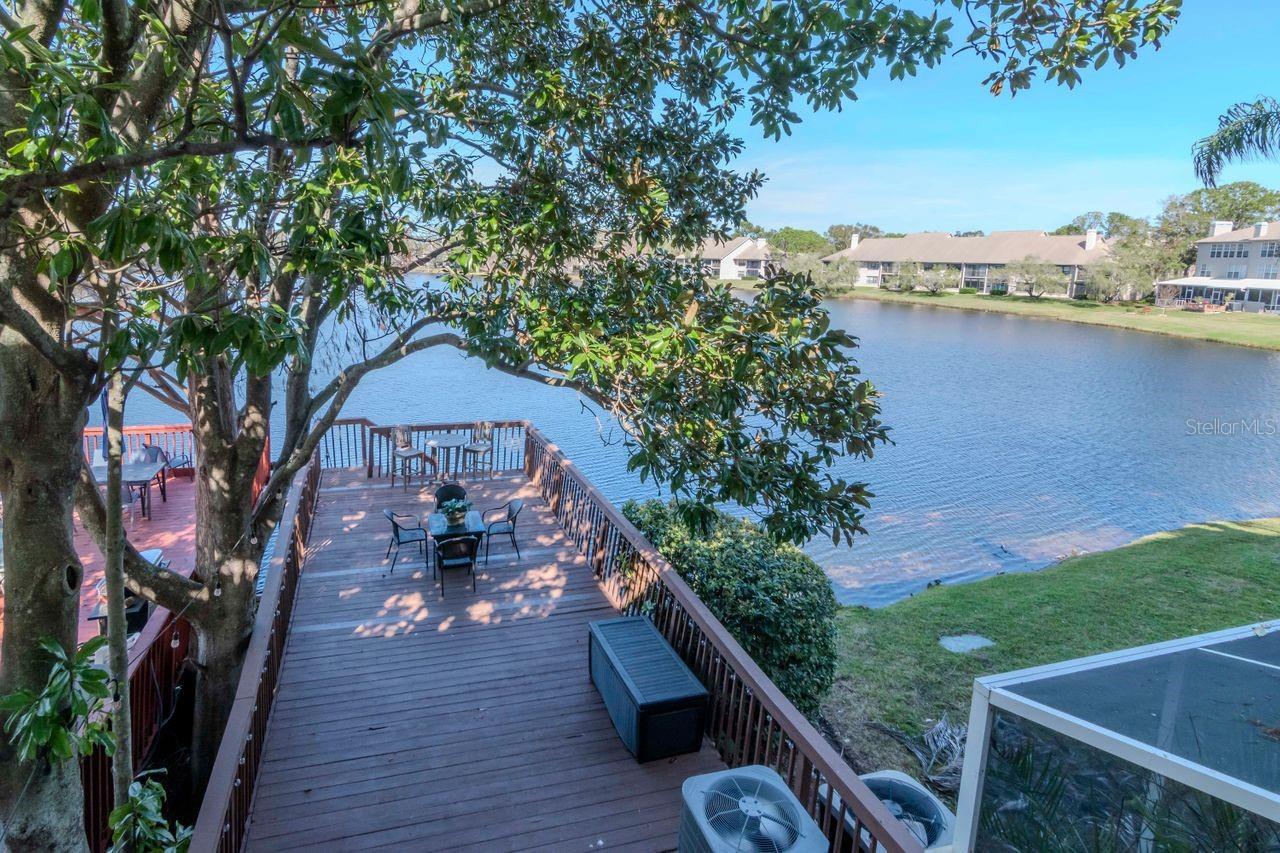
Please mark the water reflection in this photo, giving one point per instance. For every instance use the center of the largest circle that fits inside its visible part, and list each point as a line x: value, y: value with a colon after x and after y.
x: 1017, y: 441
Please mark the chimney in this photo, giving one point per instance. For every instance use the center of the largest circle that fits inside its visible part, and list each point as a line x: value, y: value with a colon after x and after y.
x: 853, y: 241
x: 1260, y: 229
x: 1090, y: 239
x: 1220, y: 226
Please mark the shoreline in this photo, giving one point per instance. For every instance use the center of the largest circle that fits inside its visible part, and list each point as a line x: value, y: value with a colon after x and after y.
x: 1125, y: 317
x: 893, y: 672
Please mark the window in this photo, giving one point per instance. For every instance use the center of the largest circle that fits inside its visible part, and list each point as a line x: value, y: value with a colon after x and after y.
x: 1269, y: 250
x: 1236, y: 271
x: 871, y: 265
x: 1228, y: 250
x: 1203, y: 271
x: 1271, y: 270
x: 1188, y: 292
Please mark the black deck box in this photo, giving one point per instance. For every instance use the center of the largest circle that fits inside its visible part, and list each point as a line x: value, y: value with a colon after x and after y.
x: 657, y: 704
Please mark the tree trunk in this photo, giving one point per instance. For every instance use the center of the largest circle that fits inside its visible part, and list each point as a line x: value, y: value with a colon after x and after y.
x: 42, y: 415
x: 227, y: 559
x: 117, y: 639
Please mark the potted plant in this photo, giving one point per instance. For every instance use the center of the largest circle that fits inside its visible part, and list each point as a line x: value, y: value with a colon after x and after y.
x: 455, y: 511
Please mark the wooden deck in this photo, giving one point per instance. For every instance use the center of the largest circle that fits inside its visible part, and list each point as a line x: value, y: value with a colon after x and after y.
x: 407, y: 721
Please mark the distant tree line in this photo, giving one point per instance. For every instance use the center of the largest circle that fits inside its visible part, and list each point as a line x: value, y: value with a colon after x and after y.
x: 805, y: 241
x: 1145, y: 250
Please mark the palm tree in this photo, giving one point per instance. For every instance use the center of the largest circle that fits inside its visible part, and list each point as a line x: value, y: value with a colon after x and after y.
x: 1245, y: 131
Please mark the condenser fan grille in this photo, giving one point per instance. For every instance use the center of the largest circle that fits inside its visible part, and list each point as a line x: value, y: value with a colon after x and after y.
x: 751, y: 815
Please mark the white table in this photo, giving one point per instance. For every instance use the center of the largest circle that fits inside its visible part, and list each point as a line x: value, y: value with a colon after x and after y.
x: 447, y: 445
x: 136, y: 475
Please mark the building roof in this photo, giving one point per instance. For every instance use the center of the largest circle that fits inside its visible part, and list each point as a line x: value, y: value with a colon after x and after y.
x: 1244, y: 235
x: 1225, y: 283
x: 998, y: 247
x: 715, y: 250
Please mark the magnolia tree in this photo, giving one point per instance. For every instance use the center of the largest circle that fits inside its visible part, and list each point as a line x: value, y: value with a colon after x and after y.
x: 1034, y: 277
x: 940, y: 277
x: 227, y: 181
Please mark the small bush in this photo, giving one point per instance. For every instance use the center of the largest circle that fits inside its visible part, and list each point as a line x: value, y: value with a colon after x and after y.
x: 772, y: 597
x: 906, y: 287
x: 969, y: 290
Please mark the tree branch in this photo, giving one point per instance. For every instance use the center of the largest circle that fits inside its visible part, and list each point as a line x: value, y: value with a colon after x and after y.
x: 68, y: 362
x: 18, y: 188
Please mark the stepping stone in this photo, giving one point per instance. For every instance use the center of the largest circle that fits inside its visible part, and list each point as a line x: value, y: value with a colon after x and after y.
x: 963, y: 643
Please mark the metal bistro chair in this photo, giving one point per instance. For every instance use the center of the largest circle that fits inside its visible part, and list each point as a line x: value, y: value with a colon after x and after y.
x: 479, y: 453
x: 450, y: 492
x: 458, y: 552
x: 404, y: 454
x: 405, y: 530
x: 506, y: 523
x: 155, y: 453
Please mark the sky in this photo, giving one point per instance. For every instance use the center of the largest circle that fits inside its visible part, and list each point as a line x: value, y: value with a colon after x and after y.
x: 939, y: 152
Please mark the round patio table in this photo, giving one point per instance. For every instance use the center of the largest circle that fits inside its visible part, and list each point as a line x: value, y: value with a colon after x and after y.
x: 445, y: 447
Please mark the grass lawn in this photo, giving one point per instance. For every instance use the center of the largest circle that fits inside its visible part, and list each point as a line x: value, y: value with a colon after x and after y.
x: 891, y: 670
x: 1236, y: 327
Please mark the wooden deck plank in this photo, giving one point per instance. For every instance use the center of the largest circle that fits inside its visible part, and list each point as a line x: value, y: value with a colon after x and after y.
x: 404, y: 720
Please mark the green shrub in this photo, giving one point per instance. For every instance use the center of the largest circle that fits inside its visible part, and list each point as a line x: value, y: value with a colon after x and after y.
x: 772, y: 597
x: 969, y: 290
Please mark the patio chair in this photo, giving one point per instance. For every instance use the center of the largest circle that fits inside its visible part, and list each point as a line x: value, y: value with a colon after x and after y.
x: 504, y: 522
x: 405, y: 455
x: 457, y: 553
x: 155, y: 453
x: 480, y: 451
x: 405, y: 530
x: 450, y: 492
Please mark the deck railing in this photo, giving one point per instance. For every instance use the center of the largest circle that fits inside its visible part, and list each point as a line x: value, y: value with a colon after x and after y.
x: 229, y: 795
x: 751, y: 722
x: 508, y: 444
x: 360, y: 443
x: 346, y: 444
x: 155, y: 664
x: 177, y: 440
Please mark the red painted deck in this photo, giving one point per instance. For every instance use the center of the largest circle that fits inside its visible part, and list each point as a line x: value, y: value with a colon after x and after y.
x: 470, y: 723
x: 171, y: 528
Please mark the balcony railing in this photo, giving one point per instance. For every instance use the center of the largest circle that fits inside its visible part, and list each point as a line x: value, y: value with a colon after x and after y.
x: 229, y: 795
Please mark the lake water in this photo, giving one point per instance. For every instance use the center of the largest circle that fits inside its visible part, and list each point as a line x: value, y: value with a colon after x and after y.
x: 1017, y: 441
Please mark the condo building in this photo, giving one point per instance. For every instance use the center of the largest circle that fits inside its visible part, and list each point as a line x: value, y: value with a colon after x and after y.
x: 978, y: 260
x: 740, y: 257
x: 1238, y: 267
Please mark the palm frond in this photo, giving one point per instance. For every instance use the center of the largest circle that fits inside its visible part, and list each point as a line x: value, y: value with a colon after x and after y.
x: 1246, y: 131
